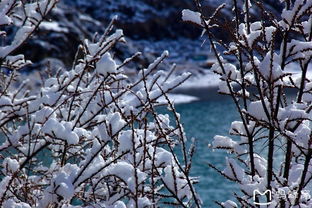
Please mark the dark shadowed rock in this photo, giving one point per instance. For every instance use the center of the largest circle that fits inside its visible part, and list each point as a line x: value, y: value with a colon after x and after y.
x: 152, y: 19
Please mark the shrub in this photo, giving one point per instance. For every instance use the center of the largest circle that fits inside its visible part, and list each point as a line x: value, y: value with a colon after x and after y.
x: 274, y: 151
x: 92, y: 136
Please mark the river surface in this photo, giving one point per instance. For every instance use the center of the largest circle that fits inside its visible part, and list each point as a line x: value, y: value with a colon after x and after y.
x: 203, y: 120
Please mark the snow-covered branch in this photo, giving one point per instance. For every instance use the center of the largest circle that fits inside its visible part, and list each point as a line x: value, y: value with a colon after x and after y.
x: 91, y: 137
x: 273, y: 58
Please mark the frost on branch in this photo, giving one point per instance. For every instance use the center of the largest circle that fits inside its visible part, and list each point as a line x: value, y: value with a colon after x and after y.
x: 92, y: 137
x: 190, y: 16
x: 272, y: 147
x: 25, y: 17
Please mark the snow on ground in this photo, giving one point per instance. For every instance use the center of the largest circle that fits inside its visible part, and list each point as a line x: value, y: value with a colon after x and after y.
x: 294, y: 68
x: 296, y: 73
x: 53, y: 26
x: 179, y: 98
x: 205, y: 80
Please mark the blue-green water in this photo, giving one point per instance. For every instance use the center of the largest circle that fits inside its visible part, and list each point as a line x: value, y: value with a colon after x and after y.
x: 203, y: 120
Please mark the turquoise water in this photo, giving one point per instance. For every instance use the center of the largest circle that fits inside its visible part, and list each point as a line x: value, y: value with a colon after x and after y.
x: 203, y: 120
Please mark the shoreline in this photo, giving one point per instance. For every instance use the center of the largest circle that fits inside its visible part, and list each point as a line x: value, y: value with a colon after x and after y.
x: 202, y: 93
x: 210, y: 93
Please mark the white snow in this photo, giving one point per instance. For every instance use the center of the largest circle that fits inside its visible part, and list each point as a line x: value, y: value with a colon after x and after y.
x: 11, y: 164
x: 60, y: 130
x: 229, y: 204
x: 295, y: 71
x: 106, y: 65
x: 256, y: 110
x: 4, y: 100
x: 233, y: 170
x: 268, y: 72
x: 52, y: 26
x: 191, y: 16
x: 178, y: 98
x: 269, y: 33
x: 208, y: 79
x: 12, y: 204
x: 224, y: 88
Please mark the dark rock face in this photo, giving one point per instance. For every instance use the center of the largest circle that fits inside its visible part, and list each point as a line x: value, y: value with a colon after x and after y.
x: 75, y: 20
x: 142, y: 19
x: 154, y: 19
x: 72, y: 21
x: 60, y: 35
